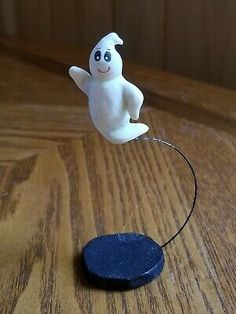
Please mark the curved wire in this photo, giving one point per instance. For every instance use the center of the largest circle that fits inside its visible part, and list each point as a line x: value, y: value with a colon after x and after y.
x: 154, y: 139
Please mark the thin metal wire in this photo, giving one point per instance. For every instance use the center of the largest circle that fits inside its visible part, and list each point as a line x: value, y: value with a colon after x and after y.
x: 154, y: 139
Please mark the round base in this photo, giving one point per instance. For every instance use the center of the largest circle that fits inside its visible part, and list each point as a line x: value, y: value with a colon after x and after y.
x: 122, y: 261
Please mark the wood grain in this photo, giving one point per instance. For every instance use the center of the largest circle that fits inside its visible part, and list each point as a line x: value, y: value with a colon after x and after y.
x: 198, y: 42
x: 98, y: 20
x: 61, y: 184
x: 33, y: 18
x: 61, y: 22
x: 142, y: 28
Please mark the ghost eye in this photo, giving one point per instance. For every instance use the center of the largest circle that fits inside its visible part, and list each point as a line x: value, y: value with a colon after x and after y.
x: 97, y: 55
x: 107, y: 56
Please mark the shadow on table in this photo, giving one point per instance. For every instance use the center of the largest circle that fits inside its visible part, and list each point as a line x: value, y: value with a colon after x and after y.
x: 80, y: 276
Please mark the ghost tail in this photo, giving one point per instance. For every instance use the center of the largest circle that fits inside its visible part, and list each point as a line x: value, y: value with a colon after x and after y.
x: 125, y: 133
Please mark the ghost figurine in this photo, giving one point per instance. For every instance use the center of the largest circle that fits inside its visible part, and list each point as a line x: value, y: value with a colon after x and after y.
x: 113, y: 101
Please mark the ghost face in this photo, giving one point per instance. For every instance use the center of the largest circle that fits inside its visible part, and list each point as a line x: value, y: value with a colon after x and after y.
x: 105, y: 62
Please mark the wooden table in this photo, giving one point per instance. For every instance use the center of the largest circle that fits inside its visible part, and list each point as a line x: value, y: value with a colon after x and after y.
x: 63, y: 184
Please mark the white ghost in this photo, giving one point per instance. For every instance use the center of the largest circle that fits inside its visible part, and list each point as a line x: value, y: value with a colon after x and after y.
x: 112, y: 99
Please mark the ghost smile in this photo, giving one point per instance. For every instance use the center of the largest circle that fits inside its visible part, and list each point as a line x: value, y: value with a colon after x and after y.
x: 104, y: 71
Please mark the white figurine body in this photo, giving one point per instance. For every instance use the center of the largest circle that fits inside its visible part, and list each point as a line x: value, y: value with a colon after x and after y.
x: 112, y: 99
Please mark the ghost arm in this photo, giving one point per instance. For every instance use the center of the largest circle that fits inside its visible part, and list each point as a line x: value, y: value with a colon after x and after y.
x: 80, y: 77
x: 133, y: 99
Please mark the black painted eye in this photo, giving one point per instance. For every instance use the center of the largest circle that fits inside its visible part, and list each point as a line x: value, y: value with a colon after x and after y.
x: 107, y: 56
x: 97, y: 55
